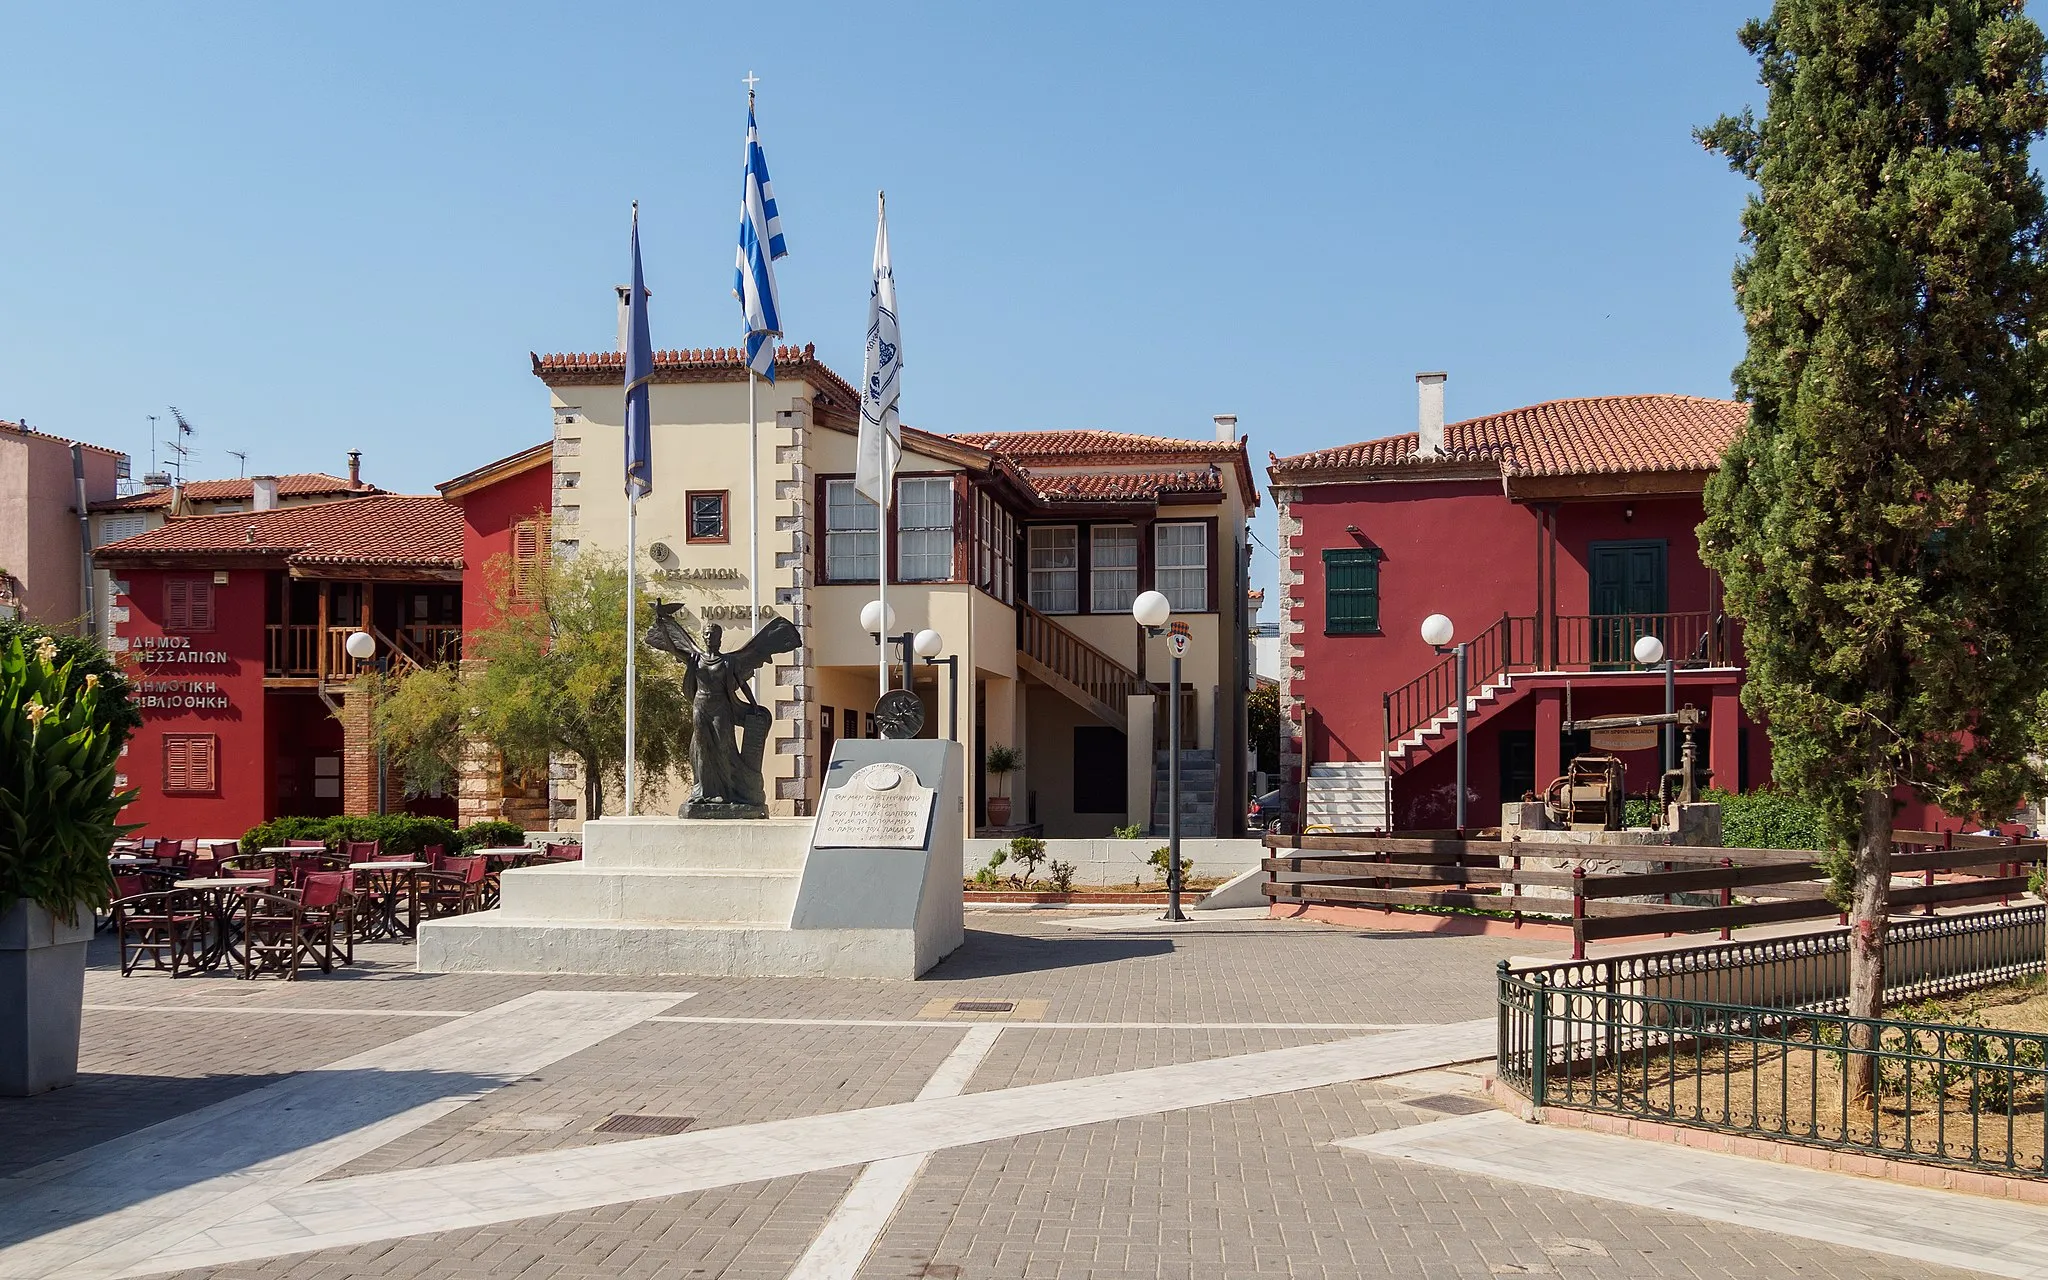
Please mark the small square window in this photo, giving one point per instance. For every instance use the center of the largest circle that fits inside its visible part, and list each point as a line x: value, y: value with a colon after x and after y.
x: 707, y: 517
x: 191, y: 764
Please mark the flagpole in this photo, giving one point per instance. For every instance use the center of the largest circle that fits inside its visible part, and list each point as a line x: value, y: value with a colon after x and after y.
x: 882, y: 592
x: 753, y: 505
x: 632, y: 613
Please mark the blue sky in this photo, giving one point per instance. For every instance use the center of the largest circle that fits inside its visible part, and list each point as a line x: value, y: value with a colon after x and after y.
x: 316, y: 228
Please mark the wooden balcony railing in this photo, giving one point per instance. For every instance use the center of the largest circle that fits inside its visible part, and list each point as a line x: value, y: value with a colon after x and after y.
x: 292, y: 651
x: 1078, y: 669
x: 1606, y: 642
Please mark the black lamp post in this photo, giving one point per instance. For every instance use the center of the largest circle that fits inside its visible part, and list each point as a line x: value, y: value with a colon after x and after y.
x: 1436, y: 633
x: 928, y: 643
x: 362, y: 646
x: 1152, y: 609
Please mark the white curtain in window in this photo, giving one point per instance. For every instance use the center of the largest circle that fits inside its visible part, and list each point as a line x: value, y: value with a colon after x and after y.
x: 1054, y: 564
x: 850, y: 523
x: 1112, y: 568
x: 1181, y: 567
x: 924, y: 530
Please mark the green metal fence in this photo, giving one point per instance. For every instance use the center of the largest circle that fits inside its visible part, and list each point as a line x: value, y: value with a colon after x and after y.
x: 1659, y: 1037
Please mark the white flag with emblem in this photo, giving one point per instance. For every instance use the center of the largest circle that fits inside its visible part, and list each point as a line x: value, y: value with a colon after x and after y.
x: 881, y: 431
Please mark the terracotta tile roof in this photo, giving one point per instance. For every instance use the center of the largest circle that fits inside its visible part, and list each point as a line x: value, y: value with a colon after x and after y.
x: 304, y: 484
x: 23, y: 429
x: 692, y: 364
x: 386, y: 529
x: 1124, y: 486
x: 1599, y: 435
x: 1038, y: 451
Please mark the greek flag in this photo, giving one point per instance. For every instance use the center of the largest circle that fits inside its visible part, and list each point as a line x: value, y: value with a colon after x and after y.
x: 881, y: 431
x: 761, y: 243
x: 639, y: 373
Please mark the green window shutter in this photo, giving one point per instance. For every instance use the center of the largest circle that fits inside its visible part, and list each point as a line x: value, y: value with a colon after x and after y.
x: 1351, y: 591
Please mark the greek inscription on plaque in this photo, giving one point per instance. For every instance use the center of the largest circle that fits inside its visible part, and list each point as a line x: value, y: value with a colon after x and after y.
x: 880, y: 807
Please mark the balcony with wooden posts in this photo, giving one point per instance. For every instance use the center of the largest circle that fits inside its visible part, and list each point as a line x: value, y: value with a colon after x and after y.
x: 311, y: 652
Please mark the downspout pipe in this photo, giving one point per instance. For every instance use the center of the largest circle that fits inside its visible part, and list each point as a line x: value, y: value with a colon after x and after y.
x: 87, y: 595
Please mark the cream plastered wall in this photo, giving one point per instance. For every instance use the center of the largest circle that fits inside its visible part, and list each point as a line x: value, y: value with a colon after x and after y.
x: 699, y: 442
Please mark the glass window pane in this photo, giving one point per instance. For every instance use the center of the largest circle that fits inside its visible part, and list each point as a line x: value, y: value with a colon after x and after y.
x: 924, y: 530
x: 1112, y: 568
x: 1182, y: 565
x: 1052, y: 558
x: 851, y: 521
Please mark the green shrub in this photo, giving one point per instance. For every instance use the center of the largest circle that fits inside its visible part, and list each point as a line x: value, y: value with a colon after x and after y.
x: 88, y: 657
x: 1768, y: 820
x: 1127, y: 833
x: 1162, y: 862
x: 990, y: 876
x: 61, y: 732
x: 1027, y: 852
x: 393, y: 832
x: 1061, y: 874
x: 491, y: 833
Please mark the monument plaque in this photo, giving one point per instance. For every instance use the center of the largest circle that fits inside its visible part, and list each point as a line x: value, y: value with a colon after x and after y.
x: 881, y: 806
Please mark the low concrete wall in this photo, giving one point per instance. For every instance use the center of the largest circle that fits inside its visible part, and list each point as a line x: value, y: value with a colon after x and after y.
x: 1120, y: 862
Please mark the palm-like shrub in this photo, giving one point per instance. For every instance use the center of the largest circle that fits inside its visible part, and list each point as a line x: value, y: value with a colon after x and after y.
x: 61, y: 733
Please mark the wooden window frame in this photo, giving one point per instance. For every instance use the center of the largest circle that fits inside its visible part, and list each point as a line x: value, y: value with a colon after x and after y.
x: 824, y: 509
x: 724, y: 496
x: 211, y: 742
x: 1080, y: 559
x: 1136, y: 568
x: 1208, y: 526
x: 950, y: 480
x: 195, y: 614
x: 1371, y: 558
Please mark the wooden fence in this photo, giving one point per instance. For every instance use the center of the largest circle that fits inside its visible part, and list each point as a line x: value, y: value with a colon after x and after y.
x: 1490, y: 876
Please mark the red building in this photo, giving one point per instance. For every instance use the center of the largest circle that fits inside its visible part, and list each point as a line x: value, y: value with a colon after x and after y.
x: 1553, y: 536
x: 235, y: 626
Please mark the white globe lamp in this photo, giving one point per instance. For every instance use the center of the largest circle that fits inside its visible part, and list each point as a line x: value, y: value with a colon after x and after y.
x: 1649, y: 651
x: 1151, y: 609
x: 928, y: 643
x: 1437, y: 631
x: 877, y: 617
x: 362, y: 646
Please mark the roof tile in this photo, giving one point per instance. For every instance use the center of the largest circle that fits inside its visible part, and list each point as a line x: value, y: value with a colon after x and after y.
x: 387, y: 529
x: 303, y: 484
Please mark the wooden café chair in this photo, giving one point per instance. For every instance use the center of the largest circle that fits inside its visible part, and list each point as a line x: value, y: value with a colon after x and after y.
x: 164, y: 927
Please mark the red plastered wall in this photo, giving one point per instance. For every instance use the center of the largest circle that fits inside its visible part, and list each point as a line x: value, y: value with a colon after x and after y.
x: 488, y: 515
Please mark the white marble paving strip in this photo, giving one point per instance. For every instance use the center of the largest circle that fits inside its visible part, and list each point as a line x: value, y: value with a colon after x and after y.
x: 1048, y: 1026
x: 277, y: 1009
x: 102, y: 1210
x: 351, y: 1211
x: 1975, y: 1233
x: 848, y: 1235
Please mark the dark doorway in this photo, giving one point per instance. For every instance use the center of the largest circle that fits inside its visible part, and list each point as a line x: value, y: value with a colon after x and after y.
x: 1626, y: 582
x: 1517, y: 764
x: 1101, y: 772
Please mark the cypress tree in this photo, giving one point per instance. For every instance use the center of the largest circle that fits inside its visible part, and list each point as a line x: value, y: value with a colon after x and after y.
x: 1882, y: 521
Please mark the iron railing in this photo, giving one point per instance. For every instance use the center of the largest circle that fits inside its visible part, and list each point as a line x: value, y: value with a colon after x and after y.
x: 1434, y: 693
x: 1749, y: 1038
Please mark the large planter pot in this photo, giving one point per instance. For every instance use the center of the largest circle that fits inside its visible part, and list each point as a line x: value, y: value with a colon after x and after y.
x: 42, y: 994
x: 998, y: 811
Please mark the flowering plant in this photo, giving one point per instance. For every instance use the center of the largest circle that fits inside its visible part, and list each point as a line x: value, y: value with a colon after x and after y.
x: 61, y: 733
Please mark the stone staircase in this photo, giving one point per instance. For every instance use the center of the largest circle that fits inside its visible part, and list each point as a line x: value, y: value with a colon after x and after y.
x: 1442, y: 731
x: 1197, y: 794
x: 1350, y: 796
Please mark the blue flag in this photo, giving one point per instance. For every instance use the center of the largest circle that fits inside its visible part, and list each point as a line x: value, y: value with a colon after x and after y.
x: 639, y: 373
x: 753, y: 279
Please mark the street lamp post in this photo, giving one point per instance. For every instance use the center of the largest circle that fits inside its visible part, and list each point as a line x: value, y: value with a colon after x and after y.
x: 878, y: 617
x: 927, y: 644
x: 1152, y: 609
x: 362, y: 646
x: 1650, y: 652
x: 1436, y: 633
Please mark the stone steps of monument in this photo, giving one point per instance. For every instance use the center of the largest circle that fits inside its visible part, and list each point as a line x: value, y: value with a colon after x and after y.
x: 486, y: 942
x: 671, y: 895
x: 775, y: 844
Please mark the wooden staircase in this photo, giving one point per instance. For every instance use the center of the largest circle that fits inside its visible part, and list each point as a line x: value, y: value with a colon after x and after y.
x: 1084, y: 674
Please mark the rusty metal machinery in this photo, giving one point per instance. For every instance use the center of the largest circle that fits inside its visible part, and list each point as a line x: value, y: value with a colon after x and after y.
x: 1590, y: 796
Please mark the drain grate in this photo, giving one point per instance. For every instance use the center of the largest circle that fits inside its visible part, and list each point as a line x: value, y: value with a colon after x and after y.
x: 984, y: 1006
x: 649, y: 1126
x: 1453, y: 1104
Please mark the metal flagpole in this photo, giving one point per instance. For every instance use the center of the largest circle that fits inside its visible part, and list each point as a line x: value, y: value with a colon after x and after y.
x: 882, y: 580
x: 632, y: 614
x: 753, y: 507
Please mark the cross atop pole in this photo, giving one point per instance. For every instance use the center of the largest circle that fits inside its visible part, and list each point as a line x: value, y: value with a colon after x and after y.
x: 750, y: 82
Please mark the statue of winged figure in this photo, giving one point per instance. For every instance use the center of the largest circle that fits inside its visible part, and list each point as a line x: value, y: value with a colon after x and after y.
x: 729, y: 728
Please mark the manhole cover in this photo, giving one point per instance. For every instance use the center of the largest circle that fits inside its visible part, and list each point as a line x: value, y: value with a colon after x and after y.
x: 1454, y: 1104
x: 646, y: 1125
x: 984, y: 1006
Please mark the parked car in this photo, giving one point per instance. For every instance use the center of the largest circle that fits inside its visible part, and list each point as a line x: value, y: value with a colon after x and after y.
x: 1268, y: 812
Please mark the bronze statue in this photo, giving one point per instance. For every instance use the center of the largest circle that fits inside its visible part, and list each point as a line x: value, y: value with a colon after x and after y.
x: 725, y: 773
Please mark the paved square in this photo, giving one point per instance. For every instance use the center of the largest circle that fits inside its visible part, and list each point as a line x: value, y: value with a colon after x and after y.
x: 1170, y: 1105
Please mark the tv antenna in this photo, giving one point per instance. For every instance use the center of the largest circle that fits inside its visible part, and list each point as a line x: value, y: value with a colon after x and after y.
x: 179, y: 449
x: 241, y: 458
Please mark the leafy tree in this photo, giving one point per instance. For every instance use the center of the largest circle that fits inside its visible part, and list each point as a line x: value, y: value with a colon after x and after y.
x: 88, y: 657
x: 1881, y: 523
x: 1262, y: 724
x: 419, y: 724
x: 551, y: 680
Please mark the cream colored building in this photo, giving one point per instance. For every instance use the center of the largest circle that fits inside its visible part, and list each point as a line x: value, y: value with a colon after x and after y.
x: 1022, y: 549
x: 43, y: 479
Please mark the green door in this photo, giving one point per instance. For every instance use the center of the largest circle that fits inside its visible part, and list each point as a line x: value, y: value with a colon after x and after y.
x: 1626, y: 591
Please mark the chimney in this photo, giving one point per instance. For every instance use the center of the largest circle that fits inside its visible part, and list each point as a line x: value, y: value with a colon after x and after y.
x: 1429, y: 415
x: 263, y: 493
x: 1226, y: 428
x: 625, y: 292
x: 355, y: 468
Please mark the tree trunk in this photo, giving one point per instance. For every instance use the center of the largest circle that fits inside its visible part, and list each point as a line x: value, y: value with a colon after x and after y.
x: 593, y: 793
x: 1867, y: 916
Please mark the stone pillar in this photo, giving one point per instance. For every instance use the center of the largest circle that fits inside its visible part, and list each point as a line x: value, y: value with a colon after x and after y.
x: 1549, y: 734
x: 1139, y: 709
x: 1724, y: 748
x: 1291, y: 596
x: 479, y: 784
x: 358, y: 755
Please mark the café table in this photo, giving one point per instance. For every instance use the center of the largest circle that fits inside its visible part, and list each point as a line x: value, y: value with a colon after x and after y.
x: 220, y: 895
x: 383, y: 880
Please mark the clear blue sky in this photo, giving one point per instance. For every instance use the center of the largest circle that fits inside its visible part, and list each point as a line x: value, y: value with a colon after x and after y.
x: 314, y: 228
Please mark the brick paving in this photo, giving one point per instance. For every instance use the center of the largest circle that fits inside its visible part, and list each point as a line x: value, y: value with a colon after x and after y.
x: 1244, y: 1188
